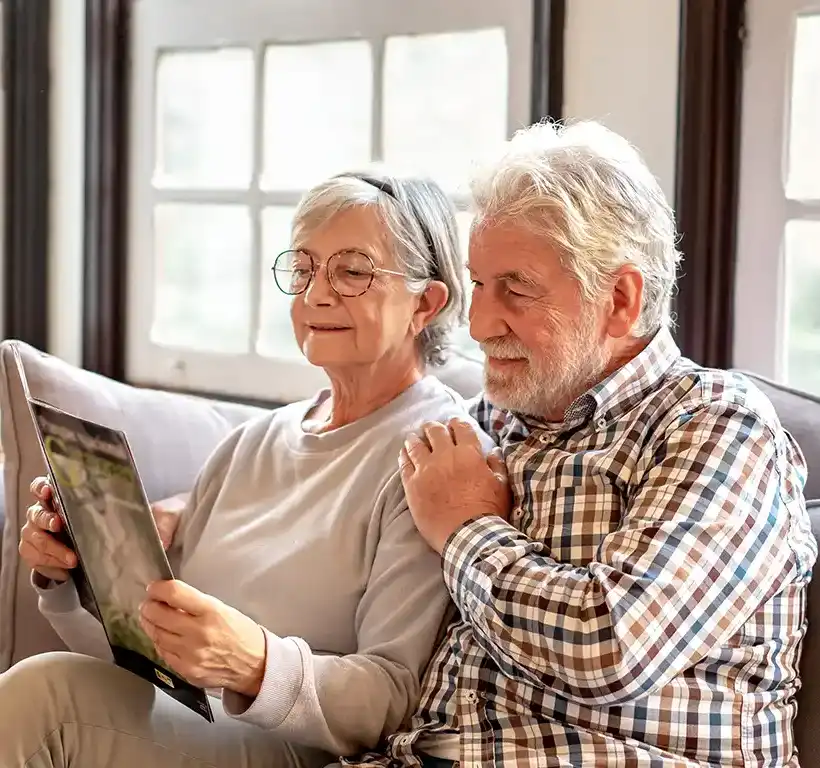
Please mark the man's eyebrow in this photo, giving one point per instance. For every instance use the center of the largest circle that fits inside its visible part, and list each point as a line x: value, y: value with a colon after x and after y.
x: 514, y: 276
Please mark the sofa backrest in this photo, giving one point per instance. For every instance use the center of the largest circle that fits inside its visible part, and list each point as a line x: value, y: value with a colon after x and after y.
x: 799, y: 413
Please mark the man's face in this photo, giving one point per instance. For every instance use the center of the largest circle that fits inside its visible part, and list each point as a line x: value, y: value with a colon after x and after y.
x: 544, y: 344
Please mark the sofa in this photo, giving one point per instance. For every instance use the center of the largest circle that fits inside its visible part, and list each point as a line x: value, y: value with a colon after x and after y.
x: 172, y: 434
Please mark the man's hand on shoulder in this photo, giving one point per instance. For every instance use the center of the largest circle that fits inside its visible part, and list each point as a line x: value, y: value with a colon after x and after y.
x: 167, y: 514
x: 448, y: 480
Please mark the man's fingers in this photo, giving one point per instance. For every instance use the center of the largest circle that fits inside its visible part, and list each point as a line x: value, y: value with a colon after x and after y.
x: 463, y: 433
x: 438, y: 436
x: 406, y: 468
x: 495, y: 461
x: 416, y: 449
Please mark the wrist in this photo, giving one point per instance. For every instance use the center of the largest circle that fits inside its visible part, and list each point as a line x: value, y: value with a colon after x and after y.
x: 255, y: 658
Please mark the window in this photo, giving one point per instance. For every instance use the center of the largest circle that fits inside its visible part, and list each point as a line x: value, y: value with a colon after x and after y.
x: 777, y: 301
x: 239, y: 108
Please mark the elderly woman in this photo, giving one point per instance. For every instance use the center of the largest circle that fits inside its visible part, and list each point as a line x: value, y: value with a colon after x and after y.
x: 306, y: 598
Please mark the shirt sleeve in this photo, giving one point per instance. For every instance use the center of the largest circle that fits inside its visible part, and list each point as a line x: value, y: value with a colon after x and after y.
x: 347, y: 704
x: 705, y: 538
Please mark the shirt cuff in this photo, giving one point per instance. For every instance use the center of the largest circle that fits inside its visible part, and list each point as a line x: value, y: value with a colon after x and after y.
x: 281, y: 685
x: 55, y: 597
x: 475, y: 553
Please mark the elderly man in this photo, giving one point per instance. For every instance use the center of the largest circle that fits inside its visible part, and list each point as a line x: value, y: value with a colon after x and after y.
x: 636, y: 595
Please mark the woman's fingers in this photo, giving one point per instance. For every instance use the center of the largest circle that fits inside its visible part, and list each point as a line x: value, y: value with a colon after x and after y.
x: 38, y: 547
x: 41, y: 490
x: 44, y: 518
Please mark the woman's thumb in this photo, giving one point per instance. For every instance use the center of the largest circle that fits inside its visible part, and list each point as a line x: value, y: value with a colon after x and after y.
x: 495, y: 461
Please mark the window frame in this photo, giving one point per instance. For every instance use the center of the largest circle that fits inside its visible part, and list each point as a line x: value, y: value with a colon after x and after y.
x: 760, y: 297
x: 161, y: 24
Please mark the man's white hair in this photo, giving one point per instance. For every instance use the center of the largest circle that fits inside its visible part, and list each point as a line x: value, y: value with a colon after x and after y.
x: 589, y: 193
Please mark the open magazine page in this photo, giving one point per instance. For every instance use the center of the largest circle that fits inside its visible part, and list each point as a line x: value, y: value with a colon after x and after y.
x: 113, y: 532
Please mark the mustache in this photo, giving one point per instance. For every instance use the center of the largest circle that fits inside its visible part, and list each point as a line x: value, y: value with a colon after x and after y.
x: 504, y: 349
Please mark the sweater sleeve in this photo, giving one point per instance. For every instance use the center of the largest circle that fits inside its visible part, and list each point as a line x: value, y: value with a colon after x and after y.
x: 346, y: 704
x: 76, y: 627
x: 60, y: 604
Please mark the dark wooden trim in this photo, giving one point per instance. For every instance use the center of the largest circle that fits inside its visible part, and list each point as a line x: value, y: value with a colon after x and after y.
x: 712, y: 36
x: 106, y: 185
x: 27, y: 46
x: 549, y: 22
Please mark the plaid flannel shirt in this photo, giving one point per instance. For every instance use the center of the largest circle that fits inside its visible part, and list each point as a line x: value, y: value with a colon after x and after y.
x: 646, y: 602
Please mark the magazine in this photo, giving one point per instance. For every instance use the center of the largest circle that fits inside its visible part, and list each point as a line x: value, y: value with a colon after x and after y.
x: 108, y: 523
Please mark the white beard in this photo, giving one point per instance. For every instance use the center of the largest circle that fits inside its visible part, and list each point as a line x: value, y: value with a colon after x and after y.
x: 578, y: 361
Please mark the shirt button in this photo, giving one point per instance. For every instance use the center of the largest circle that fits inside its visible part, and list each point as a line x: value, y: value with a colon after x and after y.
x: 601, y: 423
x: 471, y: 697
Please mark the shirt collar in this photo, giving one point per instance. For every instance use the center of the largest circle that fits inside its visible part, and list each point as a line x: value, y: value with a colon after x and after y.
x: 628, y: 385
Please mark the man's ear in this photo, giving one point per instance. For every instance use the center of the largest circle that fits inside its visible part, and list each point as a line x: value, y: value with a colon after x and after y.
x: 625, y: 302
x: 430, y: 303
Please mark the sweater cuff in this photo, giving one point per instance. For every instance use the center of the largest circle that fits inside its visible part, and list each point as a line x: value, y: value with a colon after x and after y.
x: 281, y: 684
x: 55, y: 597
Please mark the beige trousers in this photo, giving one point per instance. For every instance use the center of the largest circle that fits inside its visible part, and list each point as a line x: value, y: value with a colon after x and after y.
x: 63, y: 710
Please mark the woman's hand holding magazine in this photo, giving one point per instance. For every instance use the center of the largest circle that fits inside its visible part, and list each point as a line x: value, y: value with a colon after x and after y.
x: 41, y: 548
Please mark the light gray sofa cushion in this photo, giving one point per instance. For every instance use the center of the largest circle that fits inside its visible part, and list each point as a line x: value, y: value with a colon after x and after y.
x: 171, y: 436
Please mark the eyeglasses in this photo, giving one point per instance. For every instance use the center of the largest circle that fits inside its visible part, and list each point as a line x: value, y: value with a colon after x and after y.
x: 350, y: 273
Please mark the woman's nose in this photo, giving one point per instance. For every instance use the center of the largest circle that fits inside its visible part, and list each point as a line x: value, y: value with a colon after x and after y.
x: 319, y: 292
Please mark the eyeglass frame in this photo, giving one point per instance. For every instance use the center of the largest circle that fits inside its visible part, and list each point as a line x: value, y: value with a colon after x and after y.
x: 314, y: 268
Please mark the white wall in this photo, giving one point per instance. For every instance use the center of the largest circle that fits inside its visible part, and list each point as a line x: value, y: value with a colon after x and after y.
x: 621, y: 68
x: 66, y: 208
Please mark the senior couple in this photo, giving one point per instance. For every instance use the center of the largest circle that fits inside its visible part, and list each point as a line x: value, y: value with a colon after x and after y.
x: 622, y: 532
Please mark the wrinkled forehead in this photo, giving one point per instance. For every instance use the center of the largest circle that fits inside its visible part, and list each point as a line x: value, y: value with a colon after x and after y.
x: 498, y: 247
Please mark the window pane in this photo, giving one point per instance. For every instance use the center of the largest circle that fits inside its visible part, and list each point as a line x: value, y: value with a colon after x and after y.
x: 461, y: 337
x: 445, y: 101
x: 803, y: 305
x: 205, y: 119
x: 318, y: 111
x: 203, y: 288
x: 275, y: 338
x: 804, y: 158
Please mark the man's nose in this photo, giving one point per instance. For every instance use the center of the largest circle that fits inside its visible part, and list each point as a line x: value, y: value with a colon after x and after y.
x: 486, y: 318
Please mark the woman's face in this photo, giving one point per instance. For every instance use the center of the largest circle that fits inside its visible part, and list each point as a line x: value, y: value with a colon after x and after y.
x: 336, y: 331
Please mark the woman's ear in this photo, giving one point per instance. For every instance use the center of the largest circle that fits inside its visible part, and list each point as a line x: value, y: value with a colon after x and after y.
x: 430, y: 303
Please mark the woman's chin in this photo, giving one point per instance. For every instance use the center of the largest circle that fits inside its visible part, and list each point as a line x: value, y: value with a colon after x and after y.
x: 325, y: 353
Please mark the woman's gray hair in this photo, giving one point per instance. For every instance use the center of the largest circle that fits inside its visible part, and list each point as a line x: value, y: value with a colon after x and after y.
x: 421, y: 220
x: 588, y: 192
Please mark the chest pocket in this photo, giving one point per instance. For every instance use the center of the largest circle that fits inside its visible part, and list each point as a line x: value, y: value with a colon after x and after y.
x: 569, y: 501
